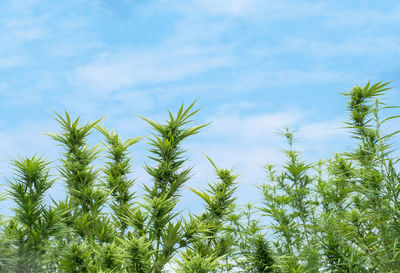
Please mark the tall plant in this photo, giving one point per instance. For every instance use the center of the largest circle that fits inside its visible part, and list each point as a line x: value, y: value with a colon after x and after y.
x: 86, y: 198
x: 288, y: 201
x: 217, y: 243
x: 116, y: 176
x: 160, y: 225
x: 35, y: 225
x: 340, y: 215
x: 377, y: 183
x: 337, y: 215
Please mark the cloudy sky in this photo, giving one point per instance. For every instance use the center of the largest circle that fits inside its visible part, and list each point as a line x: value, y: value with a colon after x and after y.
x: 255, y: 66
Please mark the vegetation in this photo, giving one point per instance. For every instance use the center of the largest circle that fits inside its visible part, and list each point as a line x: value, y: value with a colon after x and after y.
x: 341, y: 214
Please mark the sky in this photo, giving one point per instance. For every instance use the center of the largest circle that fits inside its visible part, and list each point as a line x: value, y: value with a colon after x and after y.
x: 254, y: 67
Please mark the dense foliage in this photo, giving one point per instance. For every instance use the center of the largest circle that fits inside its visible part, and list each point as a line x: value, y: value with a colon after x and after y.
x: 337, y: 215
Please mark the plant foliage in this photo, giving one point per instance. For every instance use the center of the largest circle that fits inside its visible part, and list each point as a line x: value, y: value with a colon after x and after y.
x: 341, y: 214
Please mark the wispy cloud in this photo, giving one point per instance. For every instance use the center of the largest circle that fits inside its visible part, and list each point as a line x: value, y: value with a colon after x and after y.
x: 323, y: 131
x: 356, y: 46
x: 252, y: 128
x: 7, y: 62
x: 361, y: 17
x: 194, y: 47
x: 253, y: 10
x: 150, y: 67
x: 233, y: 7
x: 313, y: 75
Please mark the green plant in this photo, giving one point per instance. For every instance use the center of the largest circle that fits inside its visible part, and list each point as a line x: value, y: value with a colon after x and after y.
x: 337, y: 215
x: 340, y: 215
x: 35, y: 225
x: 116, y: 176
x: 217, y: 242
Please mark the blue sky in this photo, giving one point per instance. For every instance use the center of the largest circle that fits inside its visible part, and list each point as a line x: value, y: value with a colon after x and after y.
x: 255, y: 66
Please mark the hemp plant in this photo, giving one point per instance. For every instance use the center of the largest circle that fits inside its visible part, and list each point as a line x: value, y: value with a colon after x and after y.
x: 341, y: 214
x: 85, y: 197
x: 34, y: 226
x: 334, y: 192
x: 116, y: 171
x: 217, y: 243
x: 252, y: 250
x: 81, y: 178
x: 157, y: 221
x: 289, y: 203
x: 377, y: 181
x: 5, y: 252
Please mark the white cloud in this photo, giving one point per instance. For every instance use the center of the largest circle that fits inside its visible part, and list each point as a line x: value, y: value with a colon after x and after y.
x: 21, y: 29
x: 232, y: 7
x: 161, y: 65
x: 252, y: 127
x: 7, y: 62
x: 265, y: 79
x: 253, y: 10
x: 323, y: 130
x: 353, y: 46
x: 356, y: 18
x: 313, y: 75
x: 196, y: 47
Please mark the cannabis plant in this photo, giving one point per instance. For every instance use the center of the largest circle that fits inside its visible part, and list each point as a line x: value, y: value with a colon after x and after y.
x: 116, y: 174
x: 216, y: 243
x: 340, y: 214
x: 32, y: 231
